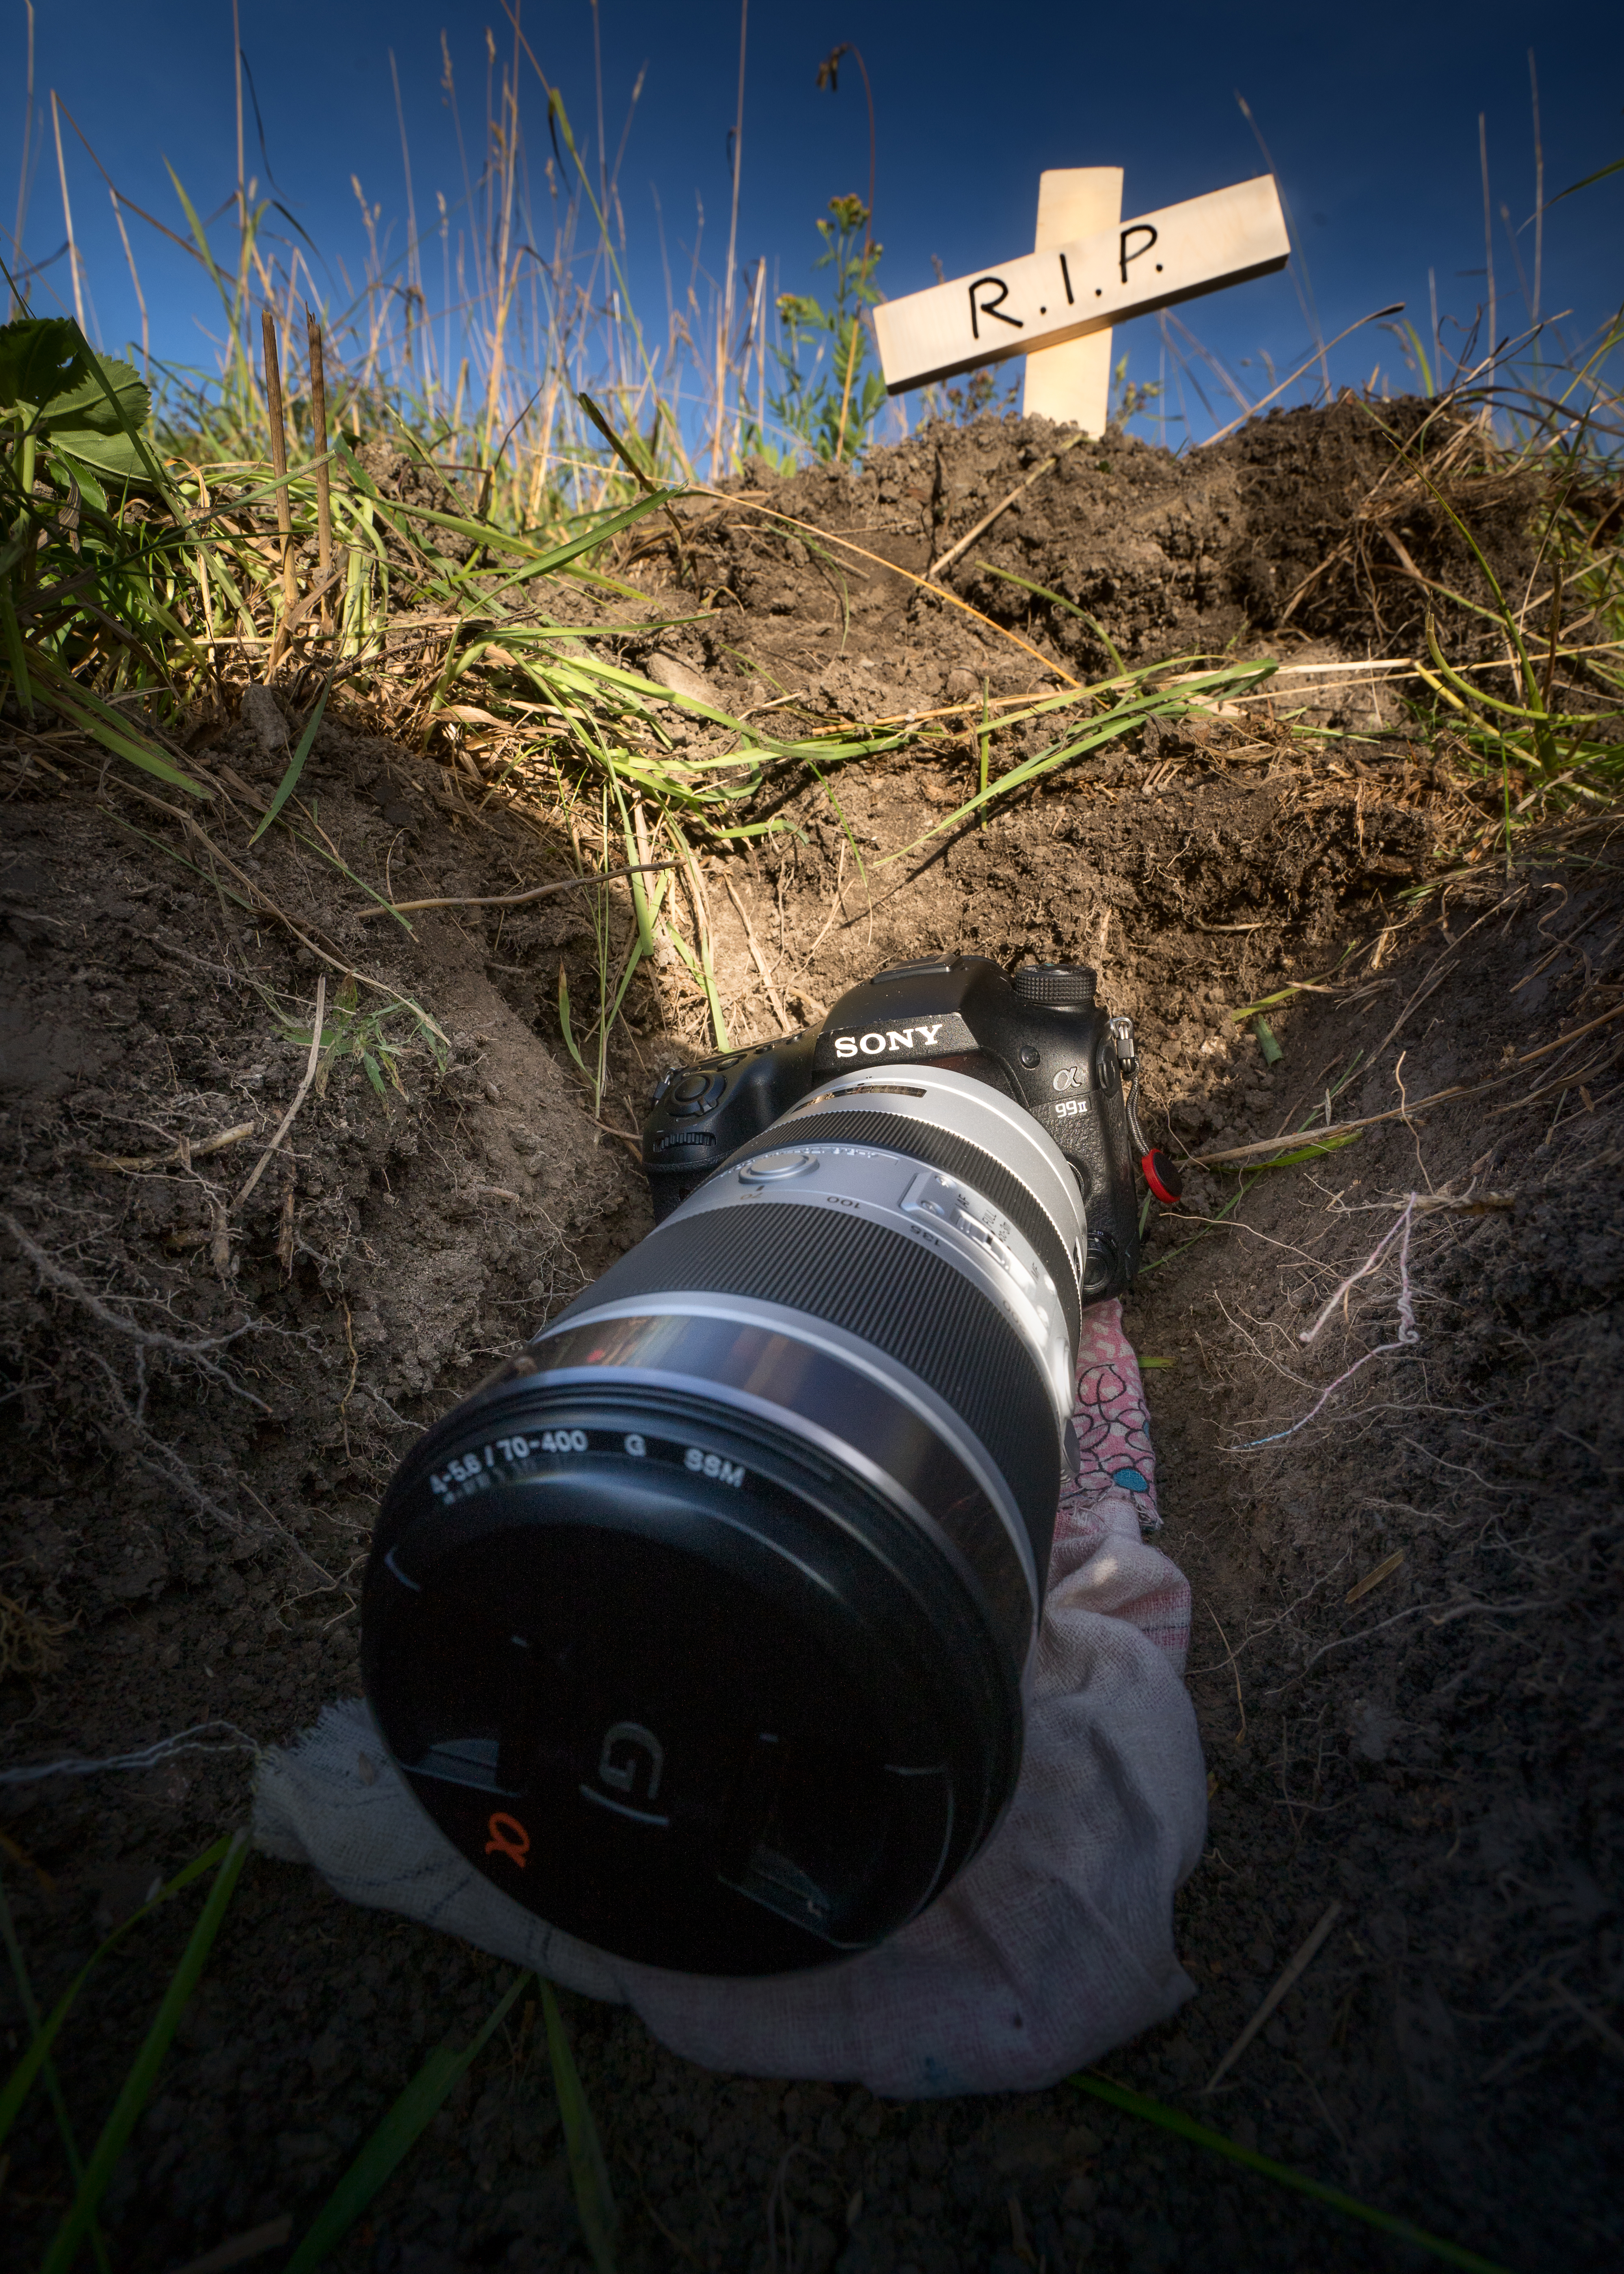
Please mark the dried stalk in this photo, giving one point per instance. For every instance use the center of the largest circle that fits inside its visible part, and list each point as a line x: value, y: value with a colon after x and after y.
x: 183, y: 1151
x: 754, y: 945
x: 299, y: 1096
x: 279, y: 466
x: 519, y: 899
x: 1295, y: 1968
x: 1415, y: 1106
x: 947, y: 558
x: 324, y: 496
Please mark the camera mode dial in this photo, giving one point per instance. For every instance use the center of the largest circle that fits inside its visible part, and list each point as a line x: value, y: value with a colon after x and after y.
x: 1058, y: 986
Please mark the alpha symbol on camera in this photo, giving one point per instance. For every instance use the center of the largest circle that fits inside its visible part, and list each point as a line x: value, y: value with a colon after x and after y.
x: 628, y: 1745
x: 1072, y: 1077
x: 509, y: 1837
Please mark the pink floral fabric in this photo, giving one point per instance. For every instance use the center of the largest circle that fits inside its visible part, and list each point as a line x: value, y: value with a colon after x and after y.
x: 1112, y: 1426
x: 1113, y: 1495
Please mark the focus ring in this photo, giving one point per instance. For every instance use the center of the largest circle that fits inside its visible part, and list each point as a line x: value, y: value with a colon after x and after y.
x: 952, y: 1155
x: 922, y: 1313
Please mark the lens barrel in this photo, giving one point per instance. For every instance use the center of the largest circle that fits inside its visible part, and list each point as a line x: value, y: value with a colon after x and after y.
x: 701, y: 1628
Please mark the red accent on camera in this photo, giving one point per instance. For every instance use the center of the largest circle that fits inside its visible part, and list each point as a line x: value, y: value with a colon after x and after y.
x: 1162, y: 1177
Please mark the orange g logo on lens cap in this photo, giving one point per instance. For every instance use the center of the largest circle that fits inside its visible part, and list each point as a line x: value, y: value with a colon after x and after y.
x: 509, y: 1837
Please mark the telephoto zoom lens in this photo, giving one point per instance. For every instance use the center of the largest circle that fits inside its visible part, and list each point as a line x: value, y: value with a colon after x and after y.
x: 702, y: 1628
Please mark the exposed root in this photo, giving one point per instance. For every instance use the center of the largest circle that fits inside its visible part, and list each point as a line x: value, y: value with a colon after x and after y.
x: 192, y: 1348
x: 28, y: 1641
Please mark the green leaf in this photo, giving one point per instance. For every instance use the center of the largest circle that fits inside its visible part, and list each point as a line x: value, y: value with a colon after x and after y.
x: 169, y: 853
x: 122, y: 402
x: 94, y: 717
x: 63, y: 461
x: 1315, y: 1150
x: 588, y: 2173
x: 53, y: 2083
x: 637, y: 472
x: 563, y: 1003
x: 137, y: 2087
x: 16, y: 655
x: 1271, y: 1049
x: 289, y: 781
x: 1059, y: 600
x: 86, y: 448
x: 88, y: 408
x: 394, y: 2139
x: 1600, y: 175
x: 40, y: 357
x: 1185, y: 2128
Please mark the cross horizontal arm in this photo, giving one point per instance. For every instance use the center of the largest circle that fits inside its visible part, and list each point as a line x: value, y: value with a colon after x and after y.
x: 1066, y: 292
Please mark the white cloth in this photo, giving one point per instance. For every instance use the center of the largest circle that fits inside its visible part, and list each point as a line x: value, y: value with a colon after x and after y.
x: 1056, y: 1944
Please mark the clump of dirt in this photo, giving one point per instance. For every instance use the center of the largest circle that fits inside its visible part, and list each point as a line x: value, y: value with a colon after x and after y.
x: 1410, y: 1657
x: 1310, y: 533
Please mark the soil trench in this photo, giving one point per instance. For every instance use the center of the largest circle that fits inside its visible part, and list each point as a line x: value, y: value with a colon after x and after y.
x: 1394, y: 1489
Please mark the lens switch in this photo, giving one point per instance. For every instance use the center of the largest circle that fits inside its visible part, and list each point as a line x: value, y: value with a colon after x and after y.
x: 777, y: 1167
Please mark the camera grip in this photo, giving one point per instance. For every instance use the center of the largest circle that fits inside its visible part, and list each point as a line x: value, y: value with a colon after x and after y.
x: 701, y: 1113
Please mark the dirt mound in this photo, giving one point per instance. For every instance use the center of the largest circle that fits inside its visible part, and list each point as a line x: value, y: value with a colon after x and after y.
x: 1332, y: 527
x: 1412, y: 1654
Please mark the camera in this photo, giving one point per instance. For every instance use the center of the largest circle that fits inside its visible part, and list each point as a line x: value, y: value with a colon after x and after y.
x: 701, y: 1627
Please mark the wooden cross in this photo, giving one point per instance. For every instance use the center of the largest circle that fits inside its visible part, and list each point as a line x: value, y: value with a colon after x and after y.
x: 1057, y: 305
x: 1071, y: 384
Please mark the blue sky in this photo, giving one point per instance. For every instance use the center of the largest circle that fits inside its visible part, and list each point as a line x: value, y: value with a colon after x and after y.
x: 1370, y: 115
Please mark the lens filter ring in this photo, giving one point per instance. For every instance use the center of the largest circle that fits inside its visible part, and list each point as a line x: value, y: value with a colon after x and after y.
x: 735, y: 1715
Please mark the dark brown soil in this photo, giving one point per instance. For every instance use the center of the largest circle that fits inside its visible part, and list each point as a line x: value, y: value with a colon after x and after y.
x: 205, y: 1398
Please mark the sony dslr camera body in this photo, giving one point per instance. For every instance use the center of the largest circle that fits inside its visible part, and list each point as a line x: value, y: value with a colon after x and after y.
x: 1042, y: 1038
x: 702, y: 1628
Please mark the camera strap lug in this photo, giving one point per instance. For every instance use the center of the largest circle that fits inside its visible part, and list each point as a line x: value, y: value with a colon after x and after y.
x: 1121, y: 1031
x: 1157, y: 1168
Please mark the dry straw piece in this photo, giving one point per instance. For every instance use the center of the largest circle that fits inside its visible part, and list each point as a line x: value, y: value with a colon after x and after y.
x: 299, y: 1096
x: 1295, y: 1967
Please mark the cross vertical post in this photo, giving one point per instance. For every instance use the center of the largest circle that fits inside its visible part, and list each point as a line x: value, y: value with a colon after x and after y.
x: 1071, y: 384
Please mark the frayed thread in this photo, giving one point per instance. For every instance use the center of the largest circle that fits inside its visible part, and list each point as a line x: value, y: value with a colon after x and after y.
x: 198, y: 1739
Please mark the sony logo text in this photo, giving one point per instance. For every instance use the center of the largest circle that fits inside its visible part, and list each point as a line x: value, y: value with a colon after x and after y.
x: 896, y: 1038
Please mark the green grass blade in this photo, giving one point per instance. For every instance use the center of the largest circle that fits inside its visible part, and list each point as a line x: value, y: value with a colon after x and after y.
x: 1314, y: 1151
x: 840, y: 816
x: 596, y: 533
x: 569, y: 1031
x: 170, y: 852
x: 1271, y: 1049
x: 59, y: 2106
x: 706, y: 961
x: 20, y: 2081
x: 639, y: 474
x: 16, y: 655
x: 98, y: 719
x: 1059, y: 600
x: 644, y: 907
x: 1174, y: 2120
x: 137, y: 2087
x: 335, y: 861
x: 1600, y: 175
x: 1163, y: 703
x: 289, y: 781
x: 1248, y: 1172
x: 199, y: 235
x: 594, y: 2200
x: 395, y: 2136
